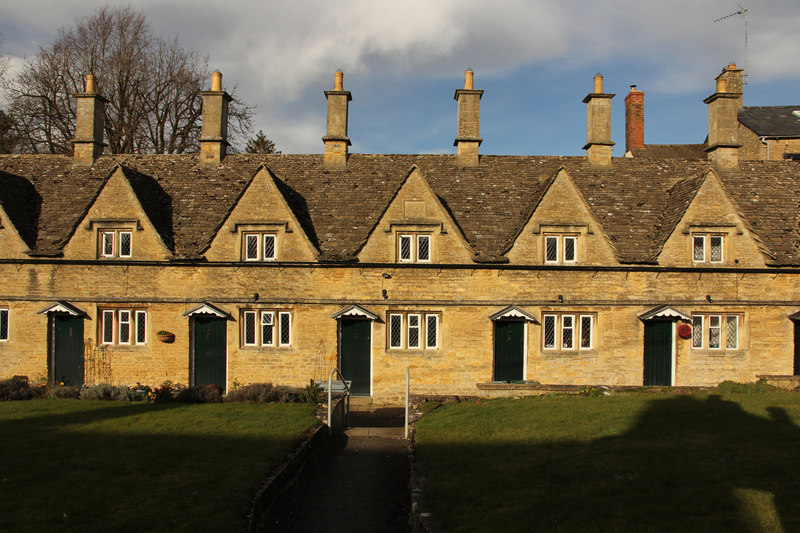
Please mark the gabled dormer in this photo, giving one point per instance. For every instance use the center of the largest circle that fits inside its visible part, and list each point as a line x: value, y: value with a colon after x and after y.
x: 562, y: 230
x: 261, y: 227
x: 128, y: 220
x: 415, y: 228
x: 712, y: 233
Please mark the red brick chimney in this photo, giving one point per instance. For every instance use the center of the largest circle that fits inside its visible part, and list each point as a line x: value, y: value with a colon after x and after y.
x: 634, y: 119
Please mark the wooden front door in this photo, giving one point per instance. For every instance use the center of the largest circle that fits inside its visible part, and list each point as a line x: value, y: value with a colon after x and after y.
x: 66, y: 348
x: 355, y: 354
x: 209, y: 351
x: 509, y: 350
x: 658, y: 352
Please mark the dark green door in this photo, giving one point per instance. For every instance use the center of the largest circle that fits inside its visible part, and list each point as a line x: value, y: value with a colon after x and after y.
x: 797, y: 348
x: 355, y: 348
x: 658, y: 352
x: 67, y: 349
x: 210, y: 340
x: 509, y: 348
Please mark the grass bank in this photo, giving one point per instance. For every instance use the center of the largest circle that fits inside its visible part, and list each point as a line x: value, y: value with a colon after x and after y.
x: 706, y: 462
x: 70, y: 465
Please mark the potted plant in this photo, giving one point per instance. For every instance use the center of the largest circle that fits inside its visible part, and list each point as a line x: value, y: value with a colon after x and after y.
x: 166, y: 336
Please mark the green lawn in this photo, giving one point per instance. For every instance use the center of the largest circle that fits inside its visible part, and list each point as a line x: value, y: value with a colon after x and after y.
x: 639, y: 462
x: 69, y: 465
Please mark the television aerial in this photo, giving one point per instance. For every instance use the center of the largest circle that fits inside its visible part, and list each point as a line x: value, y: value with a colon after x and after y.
x: 742, y: 11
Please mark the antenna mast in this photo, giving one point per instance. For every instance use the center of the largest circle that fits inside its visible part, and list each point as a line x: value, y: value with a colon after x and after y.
x: 742, y: 11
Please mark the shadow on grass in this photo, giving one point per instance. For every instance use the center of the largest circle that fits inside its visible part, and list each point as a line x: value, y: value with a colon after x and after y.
x: 687, y: 464
x: 167, y: 470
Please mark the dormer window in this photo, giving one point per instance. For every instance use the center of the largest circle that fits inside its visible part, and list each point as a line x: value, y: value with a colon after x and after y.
x: 414, y: 248
x: 707, y: 249
x: 259, y: 246
x: 116, y: 243
x: 560, y: 249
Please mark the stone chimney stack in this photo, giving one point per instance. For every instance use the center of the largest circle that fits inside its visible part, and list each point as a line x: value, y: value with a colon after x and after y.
x: 214, y: 134
x: 723, y: 120
x: 88, y: 142
x: 634, y: 119
x: 469, y: 114
x: 336, y: 140
x: 598, y: 124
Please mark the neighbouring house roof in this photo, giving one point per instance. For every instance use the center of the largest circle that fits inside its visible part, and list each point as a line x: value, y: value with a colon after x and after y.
x: 638, y: 202
x: 772, y: 121
x: 670, y: 151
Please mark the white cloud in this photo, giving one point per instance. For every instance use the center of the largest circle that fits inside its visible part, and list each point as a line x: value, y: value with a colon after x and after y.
x: 281, y: 54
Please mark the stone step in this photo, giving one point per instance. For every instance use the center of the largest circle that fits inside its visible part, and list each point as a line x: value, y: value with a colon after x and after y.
x: 391, y: 432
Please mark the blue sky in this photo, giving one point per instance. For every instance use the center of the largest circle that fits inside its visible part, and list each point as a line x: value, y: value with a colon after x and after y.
x: 403, y: 61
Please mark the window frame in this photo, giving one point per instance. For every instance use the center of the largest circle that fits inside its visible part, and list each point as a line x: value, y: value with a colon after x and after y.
x: 112, y: 238
x: 255, y: 317
x: 707, y: 247
x: 260, y: 238
x: 399, y: 327
x: 414, y: 240
x: 553, y: 325
x: 702, y: 331
x: 560, y: 248
x: 4, y: 335
x: 110, y: 327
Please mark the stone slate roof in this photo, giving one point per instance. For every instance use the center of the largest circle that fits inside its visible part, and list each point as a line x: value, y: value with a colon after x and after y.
x: 772, y: 121
x: 670, y: 151
x: 637, y: 202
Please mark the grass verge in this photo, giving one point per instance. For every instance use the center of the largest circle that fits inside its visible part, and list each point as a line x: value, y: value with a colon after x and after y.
x: 705, y: 462
x: 71, y: 465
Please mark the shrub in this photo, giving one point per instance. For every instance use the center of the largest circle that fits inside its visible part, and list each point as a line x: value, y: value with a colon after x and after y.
x: 166, y: 392
x: 201, y: 394
x: 18, y: 388
x: 261, y: 393
x: 312, y: 393
x: 64, y: 392
x: 104, y: 391
x: 727, y: 387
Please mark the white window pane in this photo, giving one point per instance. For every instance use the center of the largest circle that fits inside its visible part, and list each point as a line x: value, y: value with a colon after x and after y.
x: 269, y: 247
x: 732, y: 332
x: 715, y: 249
x: 395, y: 331
x: 698, y: 248
x: 267, y: 328
x: 697, y: 331
x: 432, y: 331
x: 125, y: 238
x: 413, y: 331
x: 124, y: 327
x: 567, y: 332
x: 249, y: 328
x: 404, y: 245
x: 551, y: 249
x: 549, y: 333
x: 586, y: 331
x: 714, y: 331
x: 286, y: 328
x: 251, y: 247
x: 569, y: 249
x: 108, y: 244
x: 108, y: 327
x: 141, y: 327
x: 3, y: 324
x: 423, y: 248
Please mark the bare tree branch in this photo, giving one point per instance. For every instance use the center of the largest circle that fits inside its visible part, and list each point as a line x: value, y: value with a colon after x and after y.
x: 152, y: 84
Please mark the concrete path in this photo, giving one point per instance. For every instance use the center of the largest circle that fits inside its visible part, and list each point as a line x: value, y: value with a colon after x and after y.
x: 358, y: 483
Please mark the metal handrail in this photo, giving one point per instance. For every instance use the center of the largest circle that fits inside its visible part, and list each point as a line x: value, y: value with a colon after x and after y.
x: 330, y: 398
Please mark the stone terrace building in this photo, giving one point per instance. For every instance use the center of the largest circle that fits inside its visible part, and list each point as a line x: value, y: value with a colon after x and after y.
x: 471, y: 270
